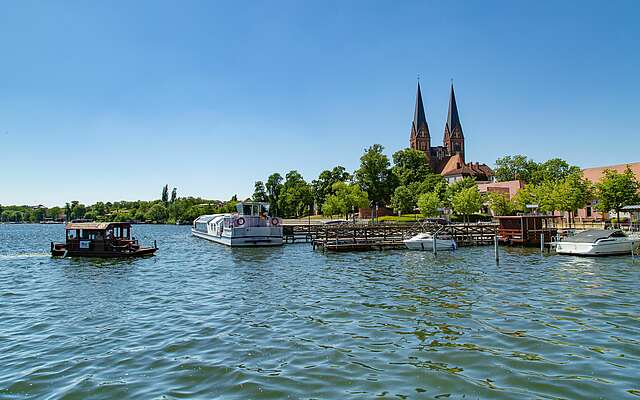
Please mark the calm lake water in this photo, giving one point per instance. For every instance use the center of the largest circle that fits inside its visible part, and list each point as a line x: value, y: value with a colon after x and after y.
x: 200, y: 320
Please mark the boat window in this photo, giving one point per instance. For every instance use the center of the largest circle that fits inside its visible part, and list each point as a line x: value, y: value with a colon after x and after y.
x: 247, y: 209
x: 71, y: 234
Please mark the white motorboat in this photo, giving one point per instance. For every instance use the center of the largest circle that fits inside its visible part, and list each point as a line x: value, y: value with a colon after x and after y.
x: 251, y: 226
x: 598, y: 242
x: 424, y: 241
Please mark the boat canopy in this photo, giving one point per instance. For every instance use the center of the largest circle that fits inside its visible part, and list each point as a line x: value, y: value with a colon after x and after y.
x: 204, y: 219
x: 593, y: 235
x: 96, y: 226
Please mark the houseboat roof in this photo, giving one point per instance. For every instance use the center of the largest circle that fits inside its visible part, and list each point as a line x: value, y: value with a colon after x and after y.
x: 593, y: 235
x: 94, y: 226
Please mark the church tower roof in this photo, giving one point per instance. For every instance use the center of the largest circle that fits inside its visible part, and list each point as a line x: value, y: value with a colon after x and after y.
x: 419, y: 118
x: 453, y: 119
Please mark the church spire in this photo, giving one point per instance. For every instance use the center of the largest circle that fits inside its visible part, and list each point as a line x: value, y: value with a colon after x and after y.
x: 453, y: 119
x: 419, y: 118
x: 420, y: 139
x: 453, y: 137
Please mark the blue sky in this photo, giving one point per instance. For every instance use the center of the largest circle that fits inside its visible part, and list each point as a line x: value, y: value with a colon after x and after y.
x: 111, y: 100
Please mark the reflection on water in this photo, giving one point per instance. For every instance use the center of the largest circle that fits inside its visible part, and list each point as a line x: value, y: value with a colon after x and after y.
x: 201, y: 320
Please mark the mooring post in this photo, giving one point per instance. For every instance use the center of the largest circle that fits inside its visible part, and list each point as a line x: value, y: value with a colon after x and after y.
x: 632, y: 255
x: 495, y: 248
x: 435, y: 251
x: 542, y: 242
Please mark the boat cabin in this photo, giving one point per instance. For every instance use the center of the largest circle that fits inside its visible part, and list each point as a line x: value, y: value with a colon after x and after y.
x: 525, y: 230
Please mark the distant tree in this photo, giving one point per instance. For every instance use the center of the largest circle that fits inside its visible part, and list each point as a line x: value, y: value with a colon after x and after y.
x: 410, y: 166
x: 274, y: 188
x: 165, y: 194
x: 174, y: 195
x: 433, y: 183
x: 323, y: 186
x: 157, y: 213
x: 452, y: 189
x: 259, y: 192
x: 518, y: 167
x: 500, y: 204
x: 576, y: 192
x: 616, y: 190
x: 346, y: 198
x: 467, y: 201
x: 428, y: 203
x: 374, y: 175
x: 403, y: 200
x: 553, y: 170
x: 296, y: 196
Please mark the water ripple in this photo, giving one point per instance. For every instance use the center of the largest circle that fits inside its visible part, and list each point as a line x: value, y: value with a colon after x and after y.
x: 204, y: 321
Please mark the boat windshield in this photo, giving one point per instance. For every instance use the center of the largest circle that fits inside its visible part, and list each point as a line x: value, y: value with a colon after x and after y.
x: 593, y: 235
x: 253, y: 209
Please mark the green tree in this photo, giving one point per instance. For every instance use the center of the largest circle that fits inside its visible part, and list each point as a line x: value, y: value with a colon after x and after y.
x: 374, y: 175
x: 500, y: 204
x: 157, y: 213
x: 518, y: 167
x: 616, y: 190
x: 410, y: 166
x: 576, y: 192
x: 165, y: 194
x: 403, y: 200
x: 452, y: 189
x: 467, y: 201
x: 296, y: 197
x: 174, y: 195
x: 274, y: 188
x: 553, y: 170
x: 259, y: 192
x: 428, y: 203
x: 346, y: 198
x: 323, y: 186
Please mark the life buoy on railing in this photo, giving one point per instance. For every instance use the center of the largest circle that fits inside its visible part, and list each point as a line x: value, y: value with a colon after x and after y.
x: 240, y: 221
x: 275, y: 221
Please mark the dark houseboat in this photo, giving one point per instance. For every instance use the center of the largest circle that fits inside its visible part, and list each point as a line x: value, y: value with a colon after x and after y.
x: 526, y: 230
x: 100, y: 239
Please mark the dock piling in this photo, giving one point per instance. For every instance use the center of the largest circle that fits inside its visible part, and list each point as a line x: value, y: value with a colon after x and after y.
x: 495, y: 248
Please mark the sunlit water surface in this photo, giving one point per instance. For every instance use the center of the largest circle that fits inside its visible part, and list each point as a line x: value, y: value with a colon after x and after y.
x: 200, y: 320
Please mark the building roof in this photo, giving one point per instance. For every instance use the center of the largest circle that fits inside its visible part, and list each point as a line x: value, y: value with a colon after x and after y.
x: 454, y: 163
x: 419, y: 117
x: 95, y: 226
x: 475, y: 170
x: 453, y: 118
x: 595, y: 173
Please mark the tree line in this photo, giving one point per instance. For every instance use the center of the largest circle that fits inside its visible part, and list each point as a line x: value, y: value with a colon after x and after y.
x: 169, y: 209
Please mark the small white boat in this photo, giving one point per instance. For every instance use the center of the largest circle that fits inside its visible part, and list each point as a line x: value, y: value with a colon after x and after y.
x: 598, y: 242
x: 424, y: 241
x: 251, y: 226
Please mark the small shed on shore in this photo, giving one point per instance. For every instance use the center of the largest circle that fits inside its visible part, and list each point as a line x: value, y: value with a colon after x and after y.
x: 525, y: 230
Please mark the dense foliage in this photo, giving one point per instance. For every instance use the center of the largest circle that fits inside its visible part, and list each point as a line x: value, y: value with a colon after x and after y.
x: 167, y: 209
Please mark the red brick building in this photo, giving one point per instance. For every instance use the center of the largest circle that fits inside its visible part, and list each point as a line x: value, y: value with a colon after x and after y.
x: 453, y: 150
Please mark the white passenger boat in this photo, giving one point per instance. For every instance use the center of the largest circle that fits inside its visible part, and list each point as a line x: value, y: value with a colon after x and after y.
x: 250, y: 226
x: 424, y: 241
x: 598, y: 242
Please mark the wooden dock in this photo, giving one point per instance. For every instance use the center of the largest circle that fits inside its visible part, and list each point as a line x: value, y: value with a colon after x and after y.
x: 360, y: 237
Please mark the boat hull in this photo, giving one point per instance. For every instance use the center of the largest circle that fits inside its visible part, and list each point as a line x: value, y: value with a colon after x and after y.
x: 62, y: 252
x: 241, y: 241
x: 427, y: 244
x: 597, y: 249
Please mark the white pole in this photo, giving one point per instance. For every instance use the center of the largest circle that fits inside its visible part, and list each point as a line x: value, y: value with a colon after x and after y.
x: 542, y: 242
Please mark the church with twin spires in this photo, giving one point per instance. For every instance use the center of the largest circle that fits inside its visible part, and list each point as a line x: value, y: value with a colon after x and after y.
x: 448, y: 159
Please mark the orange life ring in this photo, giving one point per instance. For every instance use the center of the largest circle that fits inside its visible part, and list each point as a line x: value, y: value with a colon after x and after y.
x: 240, y: 221
x: 274, y: 221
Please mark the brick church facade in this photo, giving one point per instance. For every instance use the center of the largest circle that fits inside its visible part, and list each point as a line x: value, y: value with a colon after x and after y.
x: 448, y: 159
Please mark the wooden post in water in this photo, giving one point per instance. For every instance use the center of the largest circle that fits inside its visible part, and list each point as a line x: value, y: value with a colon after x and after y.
x: 495, y: 248
x: 542, y: 242
x: 435, y: 250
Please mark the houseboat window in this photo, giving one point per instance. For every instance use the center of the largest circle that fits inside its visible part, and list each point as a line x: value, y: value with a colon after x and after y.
x: 71, y: 234
x: 588, y: 211
x: 246, y: 209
